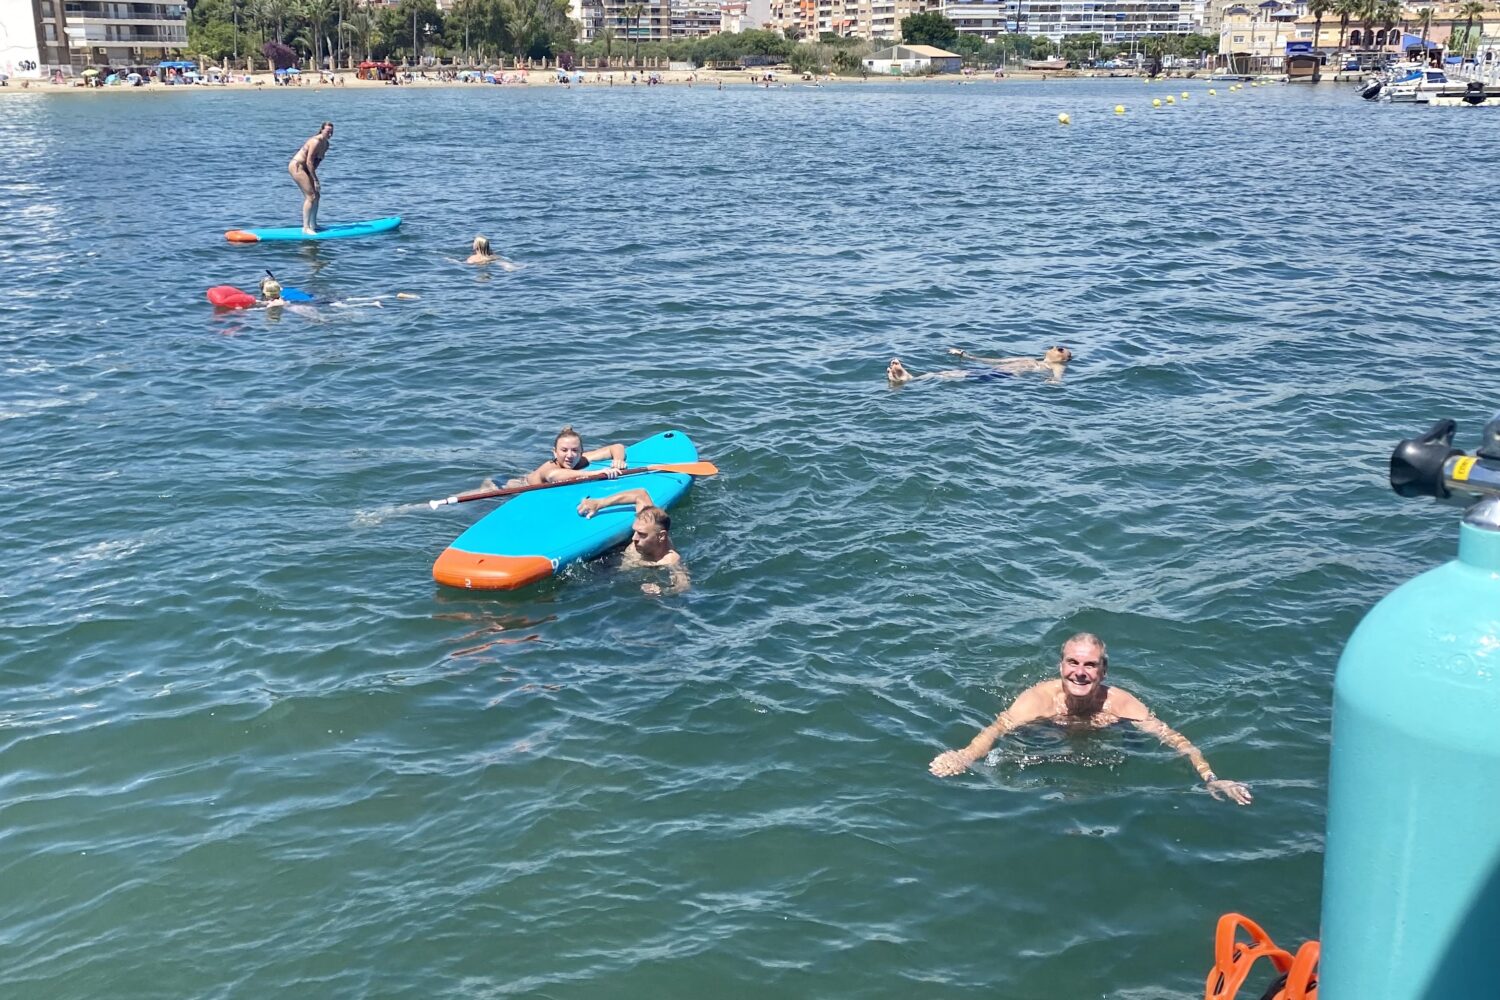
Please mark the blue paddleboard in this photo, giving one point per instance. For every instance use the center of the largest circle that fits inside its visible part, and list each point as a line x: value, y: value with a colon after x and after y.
x: 532, y: 536
x: 346, y: 231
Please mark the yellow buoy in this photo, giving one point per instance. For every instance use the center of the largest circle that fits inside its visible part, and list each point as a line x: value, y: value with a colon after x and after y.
x: 1171, y: 99
x: 1119, y: 109
x: 1184, y: 95
x: 1063, y: 119
x: 1212, y: 92
x: 1156, y: 102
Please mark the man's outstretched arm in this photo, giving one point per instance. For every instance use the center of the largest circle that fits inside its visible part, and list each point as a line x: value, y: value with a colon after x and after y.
x: 1218, y: 787
x: 1024, y: 709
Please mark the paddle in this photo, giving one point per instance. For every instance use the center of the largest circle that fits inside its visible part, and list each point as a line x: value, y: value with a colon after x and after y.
x: 682, y: 468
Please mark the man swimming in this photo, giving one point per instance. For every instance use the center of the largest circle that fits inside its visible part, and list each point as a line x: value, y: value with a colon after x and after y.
x: 482, y: 253
x: 304, y: 170
x: 1081, y: 698
x: 1055, y: 360
x: 650, y: 539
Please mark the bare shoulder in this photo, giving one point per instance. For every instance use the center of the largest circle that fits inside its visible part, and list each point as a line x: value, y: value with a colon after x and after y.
x: 672, y: 558
x: 1125, y: 705
x: 1036, y: 701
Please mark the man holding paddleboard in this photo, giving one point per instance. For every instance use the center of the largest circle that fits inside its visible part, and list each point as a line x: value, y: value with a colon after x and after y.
x: 650, y: 538
x: 304, y: 170
x: 1081, y: 698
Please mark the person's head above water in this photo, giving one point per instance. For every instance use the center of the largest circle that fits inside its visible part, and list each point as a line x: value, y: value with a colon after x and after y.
x: 1057, y: 355
x: 1083, y: 664
x: 270, y: 288
x: 326, y: 129
x: 482, y: 244
x: 896, y: 372
x: 649, y: 532
x: 567, y: 448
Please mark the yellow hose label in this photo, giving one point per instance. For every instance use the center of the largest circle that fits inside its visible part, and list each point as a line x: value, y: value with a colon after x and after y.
x: 1461, y: 468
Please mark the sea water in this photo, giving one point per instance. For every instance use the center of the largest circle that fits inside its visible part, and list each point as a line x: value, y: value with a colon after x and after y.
x: 247, y: 747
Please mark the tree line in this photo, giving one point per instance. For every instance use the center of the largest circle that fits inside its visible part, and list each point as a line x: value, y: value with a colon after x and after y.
x: 341, y: 33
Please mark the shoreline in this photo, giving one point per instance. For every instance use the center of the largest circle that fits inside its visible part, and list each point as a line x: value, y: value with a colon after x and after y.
x: 345, y: 80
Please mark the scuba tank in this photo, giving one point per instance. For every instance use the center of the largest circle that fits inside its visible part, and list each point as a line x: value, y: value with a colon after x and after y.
x: 1411, y: 876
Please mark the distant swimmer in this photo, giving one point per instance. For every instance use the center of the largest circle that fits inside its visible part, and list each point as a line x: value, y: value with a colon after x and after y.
x: 570, y: 461
x: 1081, y: 698
x: 270, y: 292
x: 482, y: 254
x: 1053, y: 361
x: 650, y: 539
x: 304, y: 170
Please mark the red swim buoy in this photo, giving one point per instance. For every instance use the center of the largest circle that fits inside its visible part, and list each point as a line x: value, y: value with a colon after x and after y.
x: 229, y: 297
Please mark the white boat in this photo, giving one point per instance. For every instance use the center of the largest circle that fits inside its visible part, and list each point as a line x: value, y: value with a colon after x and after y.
x: 1420, y: 86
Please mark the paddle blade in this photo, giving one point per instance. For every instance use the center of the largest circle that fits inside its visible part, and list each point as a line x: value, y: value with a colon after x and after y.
x: 688, y: 468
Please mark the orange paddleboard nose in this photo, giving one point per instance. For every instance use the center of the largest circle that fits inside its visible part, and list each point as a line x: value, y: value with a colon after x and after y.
x: 475, y: 571
x: 240, y: 236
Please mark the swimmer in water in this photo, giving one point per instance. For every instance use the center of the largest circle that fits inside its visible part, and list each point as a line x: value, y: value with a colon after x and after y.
x: 482, y: 253
x: 1054, y: 361
x: 650, y: 539
x: 570, y: 461
x: 1080, y: 697
x: 270, y: 292
x: 304, y: 170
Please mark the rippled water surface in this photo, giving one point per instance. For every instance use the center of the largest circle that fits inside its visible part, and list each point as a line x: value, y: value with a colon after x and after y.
x: 247, y: 747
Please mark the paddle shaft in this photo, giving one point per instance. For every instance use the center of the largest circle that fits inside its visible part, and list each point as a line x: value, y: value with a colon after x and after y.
x: 687, y: 468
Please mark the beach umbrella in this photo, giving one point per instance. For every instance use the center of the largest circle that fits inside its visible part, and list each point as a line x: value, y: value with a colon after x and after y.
x: 91, y: 71
x: 133, y: 78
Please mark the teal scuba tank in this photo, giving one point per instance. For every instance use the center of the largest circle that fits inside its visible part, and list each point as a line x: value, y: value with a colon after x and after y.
x: 1411, y: 880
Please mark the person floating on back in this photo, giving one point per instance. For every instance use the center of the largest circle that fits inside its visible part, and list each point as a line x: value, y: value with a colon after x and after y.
x: 650, y: 538
x: 1055, y: 361
x: 304, y: 170
x: 1081, y: 698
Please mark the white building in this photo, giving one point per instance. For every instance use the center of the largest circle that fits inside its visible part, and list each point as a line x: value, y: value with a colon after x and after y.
x: 72, y: 34
x: 903, y: 59
x: 1115, y: 20
x: 744, y: 15
x: 654, y: 24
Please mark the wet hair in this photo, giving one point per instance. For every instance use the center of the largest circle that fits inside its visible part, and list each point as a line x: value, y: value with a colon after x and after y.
x: 325, y: 125
x: 567, y: 432
x: 1092, y: 640
x: 658, y: 517
x: 481, y: 244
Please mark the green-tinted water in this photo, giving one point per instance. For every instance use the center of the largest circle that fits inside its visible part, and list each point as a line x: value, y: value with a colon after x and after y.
x: 248, y: 748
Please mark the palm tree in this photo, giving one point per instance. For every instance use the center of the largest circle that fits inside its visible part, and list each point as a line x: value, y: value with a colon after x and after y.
x: 1425, y: 15
x: 1369, y: 13
x: 1317, y: 8
x: 1388, y: 16
x: 317, y: 13
x: 607, y: 36
x: 1471, y: 10
x: 362, y: 26
x: 633, y: 14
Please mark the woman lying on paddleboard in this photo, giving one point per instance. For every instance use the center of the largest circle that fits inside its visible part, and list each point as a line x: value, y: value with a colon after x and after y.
x: 570, y: 461
x: 1055, y: 361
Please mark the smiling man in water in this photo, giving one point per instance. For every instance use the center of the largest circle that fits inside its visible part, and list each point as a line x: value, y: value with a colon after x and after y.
x: 1081, y: 698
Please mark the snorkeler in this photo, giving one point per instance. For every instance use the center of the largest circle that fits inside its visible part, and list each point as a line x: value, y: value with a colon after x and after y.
x: 304, y: 170
x: 270, y: 292
x: 1080, y: 697
x: 650, y: 538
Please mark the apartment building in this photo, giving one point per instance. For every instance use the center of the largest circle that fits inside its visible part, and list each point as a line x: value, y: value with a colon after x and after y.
x: 654, y: 23
x: 39, y: 36
x: 695, y: 20
x: 799, y: 17
x: 874, y: 20
x: 744, y: 15
x: 1115, y: 20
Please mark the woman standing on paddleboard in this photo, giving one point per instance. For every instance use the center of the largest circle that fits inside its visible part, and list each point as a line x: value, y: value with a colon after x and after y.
x: 304, y: 170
